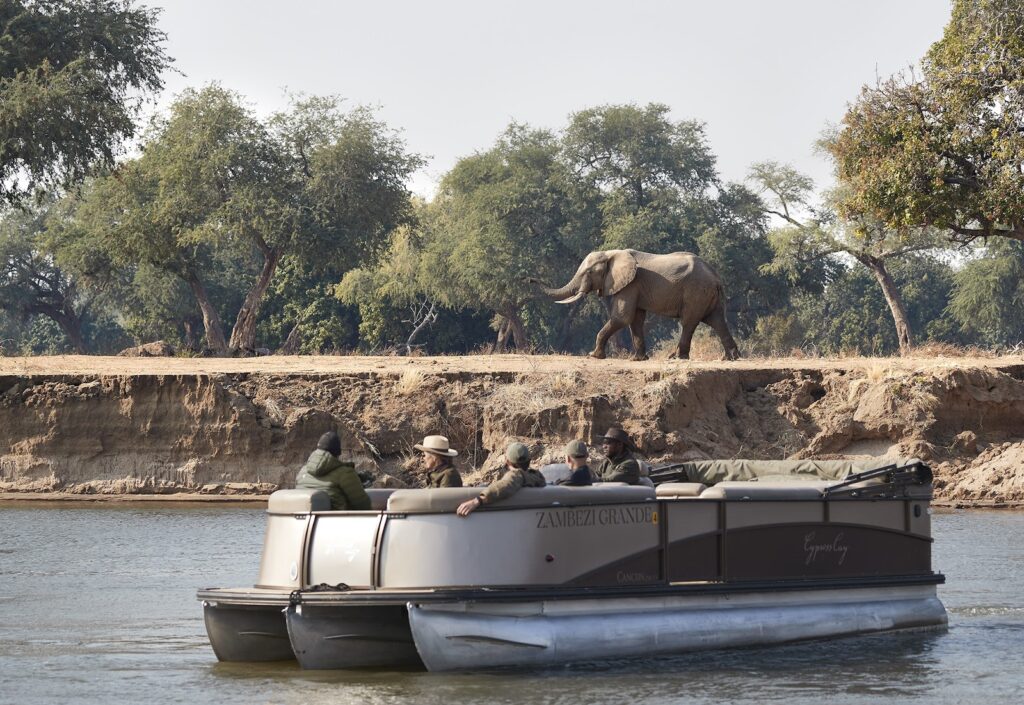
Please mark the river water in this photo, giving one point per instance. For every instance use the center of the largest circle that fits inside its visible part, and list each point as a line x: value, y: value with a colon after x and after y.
x: 97, y: 606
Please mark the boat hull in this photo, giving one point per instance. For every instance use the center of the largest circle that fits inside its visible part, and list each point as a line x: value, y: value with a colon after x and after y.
x: 466, y: 636
x: 247, y: 632
x: 351, y: 636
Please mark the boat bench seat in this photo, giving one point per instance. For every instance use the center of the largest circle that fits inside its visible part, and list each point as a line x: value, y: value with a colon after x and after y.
x: 379, y: 497
x: 779, y: 491
x: 680, y: 489
x: 446, y: 499
x: 298, y: 502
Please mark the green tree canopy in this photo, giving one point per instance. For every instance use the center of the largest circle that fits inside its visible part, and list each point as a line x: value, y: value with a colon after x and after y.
x: 72, y: 75
x: 944, y: 150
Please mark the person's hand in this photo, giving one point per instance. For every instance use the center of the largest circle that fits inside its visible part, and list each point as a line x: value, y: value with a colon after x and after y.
x: 467, y: 507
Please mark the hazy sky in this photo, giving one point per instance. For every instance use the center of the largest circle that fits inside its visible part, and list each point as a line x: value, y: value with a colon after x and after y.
x: 765, y: 76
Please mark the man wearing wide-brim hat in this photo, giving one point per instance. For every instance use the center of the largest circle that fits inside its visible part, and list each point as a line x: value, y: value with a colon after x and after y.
x: 618, y: 465
x: 437, y: 459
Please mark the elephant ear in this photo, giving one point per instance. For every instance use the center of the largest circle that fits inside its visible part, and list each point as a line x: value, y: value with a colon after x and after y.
x: 621, y: 271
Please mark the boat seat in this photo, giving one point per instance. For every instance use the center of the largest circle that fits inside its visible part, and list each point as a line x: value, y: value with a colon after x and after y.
x: 298, y: 502
x: 379, y: 497
x: 680, y: 489
x: 777, y: 491
x: 446, y: 499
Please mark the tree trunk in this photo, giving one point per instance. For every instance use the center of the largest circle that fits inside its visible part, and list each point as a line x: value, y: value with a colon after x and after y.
x: 518, y: 332
x: 502, y: 340
x: 293, y: 342
x: 211, y: 319
x: 243, y: 335
x: 72, y: 327
x: 427, y: 319
x: 894, y: 298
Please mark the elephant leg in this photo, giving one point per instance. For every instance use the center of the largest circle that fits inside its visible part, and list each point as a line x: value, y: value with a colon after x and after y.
x: 609, y: 329
x: 636, y: 327
x: 688, y: 324
x: 716, y: 319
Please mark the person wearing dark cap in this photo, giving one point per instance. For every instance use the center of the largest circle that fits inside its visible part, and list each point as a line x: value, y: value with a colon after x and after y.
x: 325, y: 471
x: 437, y: 459
x: 518, y: 474
x: 619, y: 465
x: 576, y: 458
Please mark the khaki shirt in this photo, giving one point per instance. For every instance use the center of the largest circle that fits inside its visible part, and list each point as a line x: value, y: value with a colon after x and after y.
x: 510, y: 483
x: 444, y: 476
x: 622, y: 468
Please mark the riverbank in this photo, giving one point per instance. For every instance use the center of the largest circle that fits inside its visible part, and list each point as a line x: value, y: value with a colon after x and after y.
x: 210, y: 430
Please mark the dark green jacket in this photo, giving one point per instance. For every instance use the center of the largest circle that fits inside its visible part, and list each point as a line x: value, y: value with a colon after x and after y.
x: 622, y: 468
x: 511, y: 482
x: 444, y: 476
x: 325, y: 472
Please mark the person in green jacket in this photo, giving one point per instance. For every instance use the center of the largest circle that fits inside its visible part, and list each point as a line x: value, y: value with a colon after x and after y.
x: 619, y: 463
x: 325, y: 471
x: 518, y: 474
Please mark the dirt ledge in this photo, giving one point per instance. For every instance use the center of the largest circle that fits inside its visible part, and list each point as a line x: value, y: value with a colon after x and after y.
x: 75, y: 428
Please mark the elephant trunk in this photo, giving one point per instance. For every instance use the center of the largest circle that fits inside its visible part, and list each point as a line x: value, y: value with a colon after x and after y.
x: 574, y: 289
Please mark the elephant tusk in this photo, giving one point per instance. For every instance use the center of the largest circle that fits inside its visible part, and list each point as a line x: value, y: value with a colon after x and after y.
x: 575, y: 297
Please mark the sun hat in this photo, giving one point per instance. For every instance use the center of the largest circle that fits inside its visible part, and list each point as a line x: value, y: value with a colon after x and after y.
x: 438, y: 445
x: 615, y: 433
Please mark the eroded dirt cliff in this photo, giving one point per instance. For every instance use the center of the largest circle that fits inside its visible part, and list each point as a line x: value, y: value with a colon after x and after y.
x: 92, y: 426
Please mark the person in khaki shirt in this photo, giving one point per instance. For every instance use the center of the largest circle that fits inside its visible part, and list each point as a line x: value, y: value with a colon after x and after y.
x: 437, y: 459
x: 518, y: 474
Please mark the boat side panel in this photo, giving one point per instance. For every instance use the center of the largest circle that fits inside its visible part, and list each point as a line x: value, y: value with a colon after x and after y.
x: 823, y: 550
x: 283, y: 544
x: 885, y: 514
x: 595, y: 545
x: 760, y: 512
x: 693, y: 536
x: 341, y: 549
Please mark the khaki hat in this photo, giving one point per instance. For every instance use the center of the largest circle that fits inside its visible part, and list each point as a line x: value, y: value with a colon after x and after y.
x: 517, y: 453
x: 576, y: 449
x: 438, y: 445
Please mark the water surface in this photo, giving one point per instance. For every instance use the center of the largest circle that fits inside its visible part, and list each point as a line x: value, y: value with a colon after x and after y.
x: 97, y: 606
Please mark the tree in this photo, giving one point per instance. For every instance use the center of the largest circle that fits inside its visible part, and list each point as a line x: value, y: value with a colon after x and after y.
x: 500, y: 217
x: 648, y: 173
x: 72, y: 77
x: 31, y: 283
x: 844, y: 317
x: 821, y: 234
x: 944, y: 150
x: 216, y: 185
x: 988, y: 297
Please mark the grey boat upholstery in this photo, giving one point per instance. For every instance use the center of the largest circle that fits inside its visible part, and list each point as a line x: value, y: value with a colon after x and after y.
x: 447, y: 499
x: 298, y: 502
x: 765, y: 490
x: 379, y: 497
x: 712, y: 472
x: 680, y: 489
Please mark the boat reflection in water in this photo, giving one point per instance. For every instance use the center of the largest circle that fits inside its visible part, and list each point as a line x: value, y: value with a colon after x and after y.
x: 560, y: 574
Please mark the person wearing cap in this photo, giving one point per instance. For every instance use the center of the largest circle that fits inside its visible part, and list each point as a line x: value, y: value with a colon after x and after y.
x: 437, y: 458
x: 518, y: 474
x: 576, y: 458
x: 619, y: 465
x: 326, y: 471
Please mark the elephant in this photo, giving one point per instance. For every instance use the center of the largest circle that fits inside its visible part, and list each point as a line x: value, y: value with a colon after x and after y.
x: 677, y: 285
